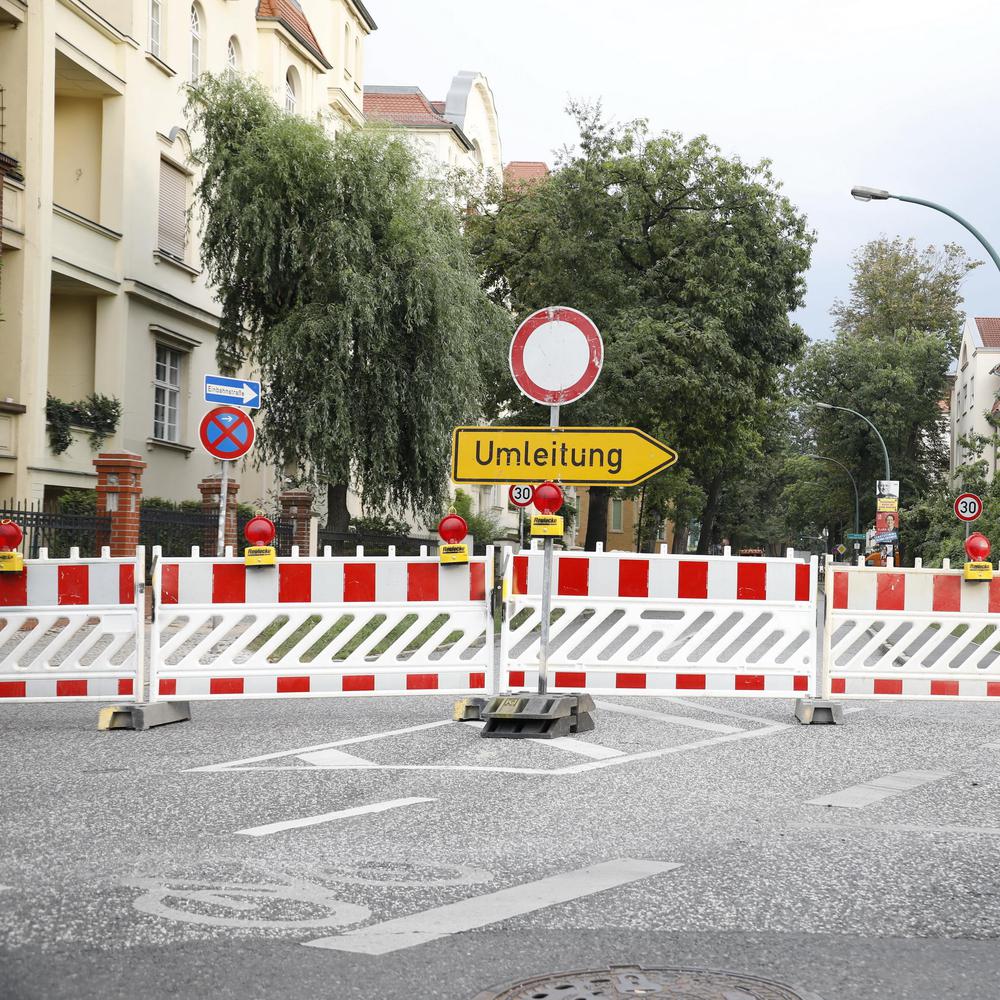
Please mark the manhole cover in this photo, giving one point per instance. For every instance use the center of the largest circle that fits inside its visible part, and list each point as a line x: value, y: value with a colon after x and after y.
x: 626, y: 982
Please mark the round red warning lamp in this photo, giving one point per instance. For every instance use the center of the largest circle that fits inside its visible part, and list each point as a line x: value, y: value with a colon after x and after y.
x: 548, y: 498
x: 452, y: 529
x: 259, y: 530
x: 10, y: 536
x: 977, y: 547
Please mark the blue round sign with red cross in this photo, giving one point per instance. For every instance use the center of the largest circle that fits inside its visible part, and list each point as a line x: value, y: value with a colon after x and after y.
x: 226, y: 433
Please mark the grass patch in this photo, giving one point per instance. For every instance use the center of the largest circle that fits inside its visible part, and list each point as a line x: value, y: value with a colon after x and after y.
x: 294, y: 639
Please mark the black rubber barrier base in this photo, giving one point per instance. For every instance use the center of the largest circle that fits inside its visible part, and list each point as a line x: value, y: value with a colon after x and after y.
x: 537, y: 716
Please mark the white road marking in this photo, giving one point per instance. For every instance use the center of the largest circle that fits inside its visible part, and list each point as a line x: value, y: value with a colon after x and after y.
x: 857, y: 708
x: 569, y: 744
x: 990, y: 746
x: 677, y: 720
x: 332, y: 757
x: 714, y: 710
x: 985, y: 831
x: 859, y: 796
x: 292, y: 824
x: 479, y: 911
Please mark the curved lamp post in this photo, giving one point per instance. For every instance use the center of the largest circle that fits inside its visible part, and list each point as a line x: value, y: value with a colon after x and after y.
x: 847, y: 409
x: 857, y: 503
x: 878, y: 194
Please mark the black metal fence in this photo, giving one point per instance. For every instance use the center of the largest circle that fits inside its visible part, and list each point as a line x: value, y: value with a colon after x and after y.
x: 55, y: 531
x: 345, y: 543
x: 176, y: 531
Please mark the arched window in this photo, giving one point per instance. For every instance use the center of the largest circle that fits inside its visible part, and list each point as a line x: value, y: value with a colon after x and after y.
x: 347, y: 50
x: 196, y: 41
x: 357, y: 57
x: 233, y: 55
x: 291, y: 90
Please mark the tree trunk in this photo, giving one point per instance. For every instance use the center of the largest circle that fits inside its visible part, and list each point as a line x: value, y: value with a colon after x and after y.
x: 338, y: 518
x: 708, y: 518
x: 597, y: 517
x: 680, y: 540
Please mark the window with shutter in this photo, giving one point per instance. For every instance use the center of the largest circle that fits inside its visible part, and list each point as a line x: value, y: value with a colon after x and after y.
x: 173, y: 210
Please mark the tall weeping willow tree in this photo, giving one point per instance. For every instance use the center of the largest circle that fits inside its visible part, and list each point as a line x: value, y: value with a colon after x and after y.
x: 344, y: 279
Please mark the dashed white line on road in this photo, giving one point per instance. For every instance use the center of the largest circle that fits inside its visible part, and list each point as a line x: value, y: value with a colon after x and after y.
x: 859, y: 796
x: 677, y: 720
x: 479, y: 911
x: 292, y: 824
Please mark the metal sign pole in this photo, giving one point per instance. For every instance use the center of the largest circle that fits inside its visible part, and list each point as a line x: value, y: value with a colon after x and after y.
x: 548, y: 557
x: 520, y: 528
x: 220, y: 543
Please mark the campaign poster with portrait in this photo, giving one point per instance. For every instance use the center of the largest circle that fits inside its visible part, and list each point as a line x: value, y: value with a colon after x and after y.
x: 886, y: 521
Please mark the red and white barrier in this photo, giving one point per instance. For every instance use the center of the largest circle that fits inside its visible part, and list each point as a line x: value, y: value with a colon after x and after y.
x: 911, y: 633
x: 71, y: 629
x: 667, y: 624
x: 320, y: 627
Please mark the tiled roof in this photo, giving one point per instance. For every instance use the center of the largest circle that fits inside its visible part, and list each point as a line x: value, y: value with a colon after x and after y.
x: 524, y: 171
x: 989, y: 330
x: 402, y: 106
x: 291, y: 16
x: 439, y: 106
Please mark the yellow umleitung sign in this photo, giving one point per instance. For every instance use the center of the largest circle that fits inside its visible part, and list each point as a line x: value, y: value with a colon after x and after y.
x: 575, y: 456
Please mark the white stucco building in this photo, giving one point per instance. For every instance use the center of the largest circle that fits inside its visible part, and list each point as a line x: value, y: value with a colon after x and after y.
x: 976, y: 388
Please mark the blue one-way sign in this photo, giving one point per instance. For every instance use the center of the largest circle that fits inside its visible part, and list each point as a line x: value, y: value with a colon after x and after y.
x: 234, y: 391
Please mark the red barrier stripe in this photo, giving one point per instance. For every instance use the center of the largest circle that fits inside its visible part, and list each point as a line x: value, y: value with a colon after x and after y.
x: 838, y: 685
x: 422, y: 581
x: 292, y: 685
x: 125, y: 686
x: 126, y: 584
x: 13, y: 689
x: 574, y: 577
x: 477, y: 581
x: 692, y: 580
x: 225, y: 685
x: 800, y: 683
x: 74, y: 585
x: 802, y: 582
x: 630, y: 681
x: 169, y: 583
x: 421, y: 682
x: 14, y: 590
x: 515, y: 678
x: 477, y: 681
x: 168, y: 686
x: 359, y: 582
x: 294, y: 583
x: 71, y: 689
x: 520, y: 574
x: 633, y: 578
x: 890, y: 593
x: 690, y: 682
x: 749, y: 682
x: 570, y: 679
x: 887, y: 686
x: 993, y: 689
x: 229, y: 583
x: 359, y: 682
x: 944, y: 687
x: 751, y: 581
x: 840, y: 589
x: 947, y: 593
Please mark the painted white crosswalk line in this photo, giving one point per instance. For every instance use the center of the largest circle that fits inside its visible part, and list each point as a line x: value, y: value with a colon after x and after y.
x: 677, y: 720
x: 859, y: 796
x: 292, y: 824
x: 479, y: 911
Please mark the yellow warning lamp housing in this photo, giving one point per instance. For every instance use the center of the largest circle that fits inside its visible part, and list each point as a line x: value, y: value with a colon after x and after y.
x: 977, y: 548
x: 454, y: 553
x: 260, y: 532
x: 11, y: 561
x: 453, y: 528
x: 546, y: 525
x: 978, y: 571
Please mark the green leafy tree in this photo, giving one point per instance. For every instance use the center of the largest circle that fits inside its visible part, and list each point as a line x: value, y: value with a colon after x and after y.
x: 344, y: 279
x: 689, y: 263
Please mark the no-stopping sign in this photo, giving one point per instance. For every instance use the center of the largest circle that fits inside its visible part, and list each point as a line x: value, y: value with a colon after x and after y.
x: 556, y: 355
x: 521, y: 494
x: 968, y: 507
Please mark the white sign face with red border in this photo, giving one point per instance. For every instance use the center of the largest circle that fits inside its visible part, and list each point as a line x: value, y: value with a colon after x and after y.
x: 521, y: 494
x: 968, y: 507
x: 556, y: 355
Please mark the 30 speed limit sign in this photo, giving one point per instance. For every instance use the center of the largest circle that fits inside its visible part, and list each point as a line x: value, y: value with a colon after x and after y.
x: 968, y: 507
x: 521, y: 494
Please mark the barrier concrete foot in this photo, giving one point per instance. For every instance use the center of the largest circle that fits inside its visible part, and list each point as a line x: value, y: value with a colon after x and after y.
x: 468, y: 710
x: 145, y: 716
x: 819, y: 712
x: 537, y: 716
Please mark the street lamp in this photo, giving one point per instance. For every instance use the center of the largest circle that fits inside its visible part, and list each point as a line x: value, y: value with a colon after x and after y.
x: 879, y: 194
x: 857, y: 502
x: 847, y: 409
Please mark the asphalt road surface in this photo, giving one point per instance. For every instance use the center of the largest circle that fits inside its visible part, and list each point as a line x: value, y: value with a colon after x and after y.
x: 373, y: 849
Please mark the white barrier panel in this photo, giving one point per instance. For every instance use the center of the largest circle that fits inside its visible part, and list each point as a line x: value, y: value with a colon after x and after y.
x: 912, y: 633
x: 71, y: 630
x: 321, y: 627
x: 667, y: 624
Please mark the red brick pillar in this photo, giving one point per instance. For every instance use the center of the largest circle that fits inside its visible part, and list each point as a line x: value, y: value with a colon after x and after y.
x: 119, y: 495
x: 296, y: 509
x: 210, y: 487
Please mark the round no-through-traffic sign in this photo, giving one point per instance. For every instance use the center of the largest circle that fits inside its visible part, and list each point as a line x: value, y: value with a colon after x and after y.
x: 521, y: 494
x: 226, y: 433
x: 968, y: 507
x: 556, y: 355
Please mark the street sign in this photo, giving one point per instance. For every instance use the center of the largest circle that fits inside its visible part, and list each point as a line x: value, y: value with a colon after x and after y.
x: 226, y: 433
x: 840, y: 549
x: 860, y: 537
x: 573, y: 456
x: 968, y: 507
x: 234, y: 391
x: 556, y: 355
x: 521, y: 494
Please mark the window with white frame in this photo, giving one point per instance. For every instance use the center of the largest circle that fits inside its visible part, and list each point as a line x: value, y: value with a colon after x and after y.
x: 196, y: 40
x: 233, y: 55
x: 166, y: 394
x: 616, y: 514
x: 155, y: 17
x: 172, y: 235
x: 347, y: 50
x: 291, y: 96
x: 357, y: 56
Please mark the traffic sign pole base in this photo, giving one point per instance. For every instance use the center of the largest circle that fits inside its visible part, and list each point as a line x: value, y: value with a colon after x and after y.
x: 144, y: 716
x: 819, y: 712
x: 537, y: 717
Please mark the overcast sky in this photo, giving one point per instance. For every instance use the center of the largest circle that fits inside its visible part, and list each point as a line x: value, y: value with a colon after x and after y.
x: 901, y: 94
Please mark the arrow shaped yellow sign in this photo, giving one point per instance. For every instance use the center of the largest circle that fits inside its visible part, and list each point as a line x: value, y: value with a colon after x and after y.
x: 576, y: 456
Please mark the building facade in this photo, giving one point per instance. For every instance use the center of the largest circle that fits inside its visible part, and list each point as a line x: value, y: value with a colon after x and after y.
x: 101, y: 288
x: 975, y: 390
